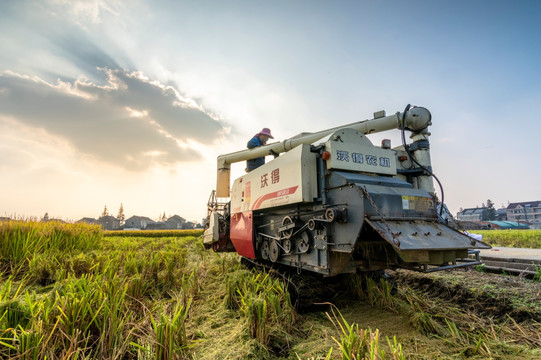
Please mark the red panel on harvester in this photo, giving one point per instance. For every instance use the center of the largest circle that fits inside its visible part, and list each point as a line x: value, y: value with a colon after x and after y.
x: 241, y: 234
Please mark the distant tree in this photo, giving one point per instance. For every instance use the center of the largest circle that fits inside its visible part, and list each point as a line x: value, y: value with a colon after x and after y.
x: 120, y: 216
x: 45, y: 217
x: 105, y: 212
x: 491, y: 215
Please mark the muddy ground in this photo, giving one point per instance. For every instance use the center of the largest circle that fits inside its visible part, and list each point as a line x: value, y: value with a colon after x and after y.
x: 485, y: 294
x: 509, y: 306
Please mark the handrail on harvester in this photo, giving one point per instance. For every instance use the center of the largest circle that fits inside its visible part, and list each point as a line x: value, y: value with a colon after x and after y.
x: 417, y: 119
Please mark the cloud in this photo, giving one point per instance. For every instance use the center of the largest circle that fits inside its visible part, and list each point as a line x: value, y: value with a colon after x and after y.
x: 131, y: 121
x: 83, y: 53
x: 86, y: 11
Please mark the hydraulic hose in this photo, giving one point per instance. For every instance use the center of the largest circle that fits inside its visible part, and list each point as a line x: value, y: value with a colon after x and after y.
x: 406, y: 147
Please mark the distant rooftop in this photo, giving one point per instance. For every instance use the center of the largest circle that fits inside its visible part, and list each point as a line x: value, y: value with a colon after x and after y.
x: 524, y: 204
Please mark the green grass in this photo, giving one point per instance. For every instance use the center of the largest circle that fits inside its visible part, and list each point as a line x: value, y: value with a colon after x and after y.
x: 537, y: 276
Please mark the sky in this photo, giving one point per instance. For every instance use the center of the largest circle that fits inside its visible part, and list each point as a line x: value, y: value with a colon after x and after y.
x: 104, y: 103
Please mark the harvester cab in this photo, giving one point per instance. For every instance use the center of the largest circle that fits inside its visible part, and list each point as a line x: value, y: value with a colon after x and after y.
x: 339, y: 206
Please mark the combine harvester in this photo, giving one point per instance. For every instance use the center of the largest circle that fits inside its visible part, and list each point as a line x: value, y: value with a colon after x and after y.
x: 339, y: 206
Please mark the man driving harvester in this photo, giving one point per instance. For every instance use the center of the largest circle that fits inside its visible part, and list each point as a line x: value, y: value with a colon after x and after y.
x: 259, y: 139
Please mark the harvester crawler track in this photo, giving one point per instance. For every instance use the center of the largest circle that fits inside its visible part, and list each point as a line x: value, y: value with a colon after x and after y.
x: 308, y: 291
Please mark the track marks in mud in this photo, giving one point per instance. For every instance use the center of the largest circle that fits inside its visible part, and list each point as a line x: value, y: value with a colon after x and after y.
x: 486, y: 295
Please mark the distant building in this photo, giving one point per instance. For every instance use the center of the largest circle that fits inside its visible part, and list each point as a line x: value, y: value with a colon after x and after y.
x: 492, y: 225
x: 188, y: 225
x: 54, y: 220
x: 138, y: 222
x: 529, y: 212
x: 473, y: 214
x: 109, y: 222
x: 87, y: 220
x: 175, y: 222
x: 157, y: 225
x: 141, y: 223
x: 474, y: 225
x: 501, y: 214
x: 200, y: 226
x: 506, y: 225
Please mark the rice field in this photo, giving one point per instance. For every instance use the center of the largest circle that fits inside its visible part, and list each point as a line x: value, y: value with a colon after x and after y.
x: 71, y: 291
x: 530, y: 239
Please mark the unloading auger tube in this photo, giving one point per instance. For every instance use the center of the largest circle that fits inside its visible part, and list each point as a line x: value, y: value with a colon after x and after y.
x: 417, y: 119
x: 340, y: 206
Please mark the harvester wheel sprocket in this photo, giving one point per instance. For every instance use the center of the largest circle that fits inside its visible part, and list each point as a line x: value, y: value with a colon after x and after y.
x: 287, y: 220
x: 265, y: 250
x: 312, y: 225
x: 287, y: 245
x: 303, y: 243
x: 274, y: 251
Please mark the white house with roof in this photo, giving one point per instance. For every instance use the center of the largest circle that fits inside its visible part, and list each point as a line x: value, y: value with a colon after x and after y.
x: 529, y: 211
x: 473, y: 214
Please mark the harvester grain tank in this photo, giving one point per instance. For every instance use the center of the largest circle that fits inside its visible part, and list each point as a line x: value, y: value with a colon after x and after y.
x: 339, y: 206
